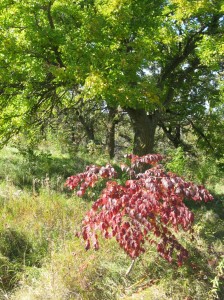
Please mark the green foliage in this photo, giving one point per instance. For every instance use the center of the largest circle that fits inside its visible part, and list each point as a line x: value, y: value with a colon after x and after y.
x: 152, y: 56
x: 177, y: 164
x: 16, y: 253
x: 38, y: 168
x: 217, y: 282
x: 206, y: 170
x: 202, y: 168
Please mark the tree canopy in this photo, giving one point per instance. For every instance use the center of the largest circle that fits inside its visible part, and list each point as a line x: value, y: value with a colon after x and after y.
x: 159, y: 61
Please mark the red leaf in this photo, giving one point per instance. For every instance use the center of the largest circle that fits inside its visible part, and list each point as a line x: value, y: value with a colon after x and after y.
x: 149, y: 202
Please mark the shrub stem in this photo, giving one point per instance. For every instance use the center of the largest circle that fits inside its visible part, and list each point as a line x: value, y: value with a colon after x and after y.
x: 130, y: 267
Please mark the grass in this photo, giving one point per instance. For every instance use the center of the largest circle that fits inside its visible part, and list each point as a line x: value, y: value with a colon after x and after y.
x: 40, y: 257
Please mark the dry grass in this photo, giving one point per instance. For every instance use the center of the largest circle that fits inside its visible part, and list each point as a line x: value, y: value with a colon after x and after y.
x: 40, y: 258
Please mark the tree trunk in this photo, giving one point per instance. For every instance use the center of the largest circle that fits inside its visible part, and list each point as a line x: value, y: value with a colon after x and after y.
x: 110, y: 139
x: 88, y: 127
x: 144, y: 126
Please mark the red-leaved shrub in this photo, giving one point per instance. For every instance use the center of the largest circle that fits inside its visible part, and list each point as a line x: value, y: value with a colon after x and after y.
x: 149, y: 207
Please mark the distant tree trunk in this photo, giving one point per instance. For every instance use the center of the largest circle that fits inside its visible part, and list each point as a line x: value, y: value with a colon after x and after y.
x: 144, y: 126
x: 110, y: 139
x: 88, y: 127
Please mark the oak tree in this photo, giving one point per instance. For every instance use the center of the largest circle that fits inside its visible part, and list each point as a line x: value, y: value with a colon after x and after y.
x: 160, y: 61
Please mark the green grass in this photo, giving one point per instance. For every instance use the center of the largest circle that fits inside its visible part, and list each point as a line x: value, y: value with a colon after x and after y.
x: 40, y: 257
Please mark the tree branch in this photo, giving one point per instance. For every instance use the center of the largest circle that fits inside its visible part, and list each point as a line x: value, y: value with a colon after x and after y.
x: 175, y: 137
x: 52, y: 26
x: 201, y: 134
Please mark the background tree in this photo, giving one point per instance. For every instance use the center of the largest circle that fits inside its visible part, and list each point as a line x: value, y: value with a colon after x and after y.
x: 160, y: 61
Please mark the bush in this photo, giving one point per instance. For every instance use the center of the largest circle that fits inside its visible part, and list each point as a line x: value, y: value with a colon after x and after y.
x: 147, y: 207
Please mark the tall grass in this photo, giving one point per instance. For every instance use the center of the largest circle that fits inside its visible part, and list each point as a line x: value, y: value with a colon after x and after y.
x: 40, y: 257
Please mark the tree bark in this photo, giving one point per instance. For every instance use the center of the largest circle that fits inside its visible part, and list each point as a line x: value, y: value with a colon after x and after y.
x: 110, y: 139
x: 144, y: 126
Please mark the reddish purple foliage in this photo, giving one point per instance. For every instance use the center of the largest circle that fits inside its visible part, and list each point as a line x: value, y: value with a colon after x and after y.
x: 149, y: 207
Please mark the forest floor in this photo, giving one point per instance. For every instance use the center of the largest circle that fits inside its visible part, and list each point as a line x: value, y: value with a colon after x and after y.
x: 40, y: 257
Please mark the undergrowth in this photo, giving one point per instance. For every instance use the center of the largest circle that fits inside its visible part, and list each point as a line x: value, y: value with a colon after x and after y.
x: 40, y: 257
